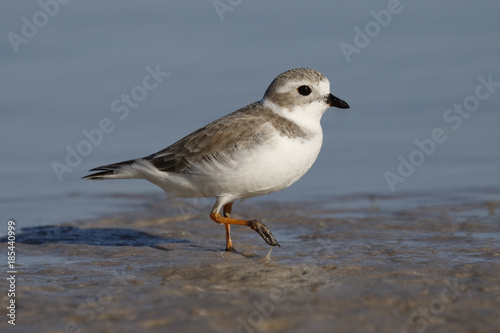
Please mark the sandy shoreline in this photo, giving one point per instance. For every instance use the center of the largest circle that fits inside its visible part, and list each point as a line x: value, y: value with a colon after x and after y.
x: 364, y: 268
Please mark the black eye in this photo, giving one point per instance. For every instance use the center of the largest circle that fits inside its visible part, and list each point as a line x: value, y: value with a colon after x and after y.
x: 304, y: 90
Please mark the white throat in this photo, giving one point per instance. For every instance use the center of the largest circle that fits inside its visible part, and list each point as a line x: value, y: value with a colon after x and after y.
x: 307, y: 117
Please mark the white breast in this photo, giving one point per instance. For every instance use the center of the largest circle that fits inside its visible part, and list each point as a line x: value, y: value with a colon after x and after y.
x: 273, y: 167
x: 269, y: 167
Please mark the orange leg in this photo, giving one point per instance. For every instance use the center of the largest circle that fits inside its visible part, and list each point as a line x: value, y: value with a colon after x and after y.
x: 229, y: 242
x: 260, y: 228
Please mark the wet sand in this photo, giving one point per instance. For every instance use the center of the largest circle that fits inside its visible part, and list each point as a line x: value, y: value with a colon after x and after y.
x: 421, y: 263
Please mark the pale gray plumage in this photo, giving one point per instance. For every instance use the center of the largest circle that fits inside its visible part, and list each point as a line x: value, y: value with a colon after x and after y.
x: 258, y: 149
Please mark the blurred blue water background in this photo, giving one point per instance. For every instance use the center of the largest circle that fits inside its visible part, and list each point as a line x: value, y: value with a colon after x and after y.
x: 65, y: 66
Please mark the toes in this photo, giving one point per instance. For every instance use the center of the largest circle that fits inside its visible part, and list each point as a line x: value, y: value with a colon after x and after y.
x: 264, y: 232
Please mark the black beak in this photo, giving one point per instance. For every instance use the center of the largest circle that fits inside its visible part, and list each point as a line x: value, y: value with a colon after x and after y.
x: 336, y: 102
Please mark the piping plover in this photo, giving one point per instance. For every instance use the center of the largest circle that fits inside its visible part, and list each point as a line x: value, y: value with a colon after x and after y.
x: 261, y: 148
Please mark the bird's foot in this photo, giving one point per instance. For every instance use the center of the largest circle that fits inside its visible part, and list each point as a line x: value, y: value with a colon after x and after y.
x: 231, y: 249
x: 264, y: 232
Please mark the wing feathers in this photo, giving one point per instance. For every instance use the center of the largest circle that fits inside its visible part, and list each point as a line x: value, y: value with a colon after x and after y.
x: 217, y: 142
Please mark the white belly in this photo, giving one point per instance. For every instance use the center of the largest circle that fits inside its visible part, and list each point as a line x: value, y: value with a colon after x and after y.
x: 273, y: 167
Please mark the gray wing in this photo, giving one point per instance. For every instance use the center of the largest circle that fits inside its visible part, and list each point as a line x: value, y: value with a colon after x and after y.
x: 245, y: 128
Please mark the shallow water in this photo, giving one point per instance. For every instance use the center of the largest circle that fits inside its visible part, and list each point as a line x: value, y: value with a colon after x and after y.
x: 431, y: 266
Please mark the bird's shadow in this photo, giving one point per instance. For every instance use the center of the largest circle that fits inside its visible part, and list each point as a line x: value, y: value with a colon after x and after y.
x: 94, y: 236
